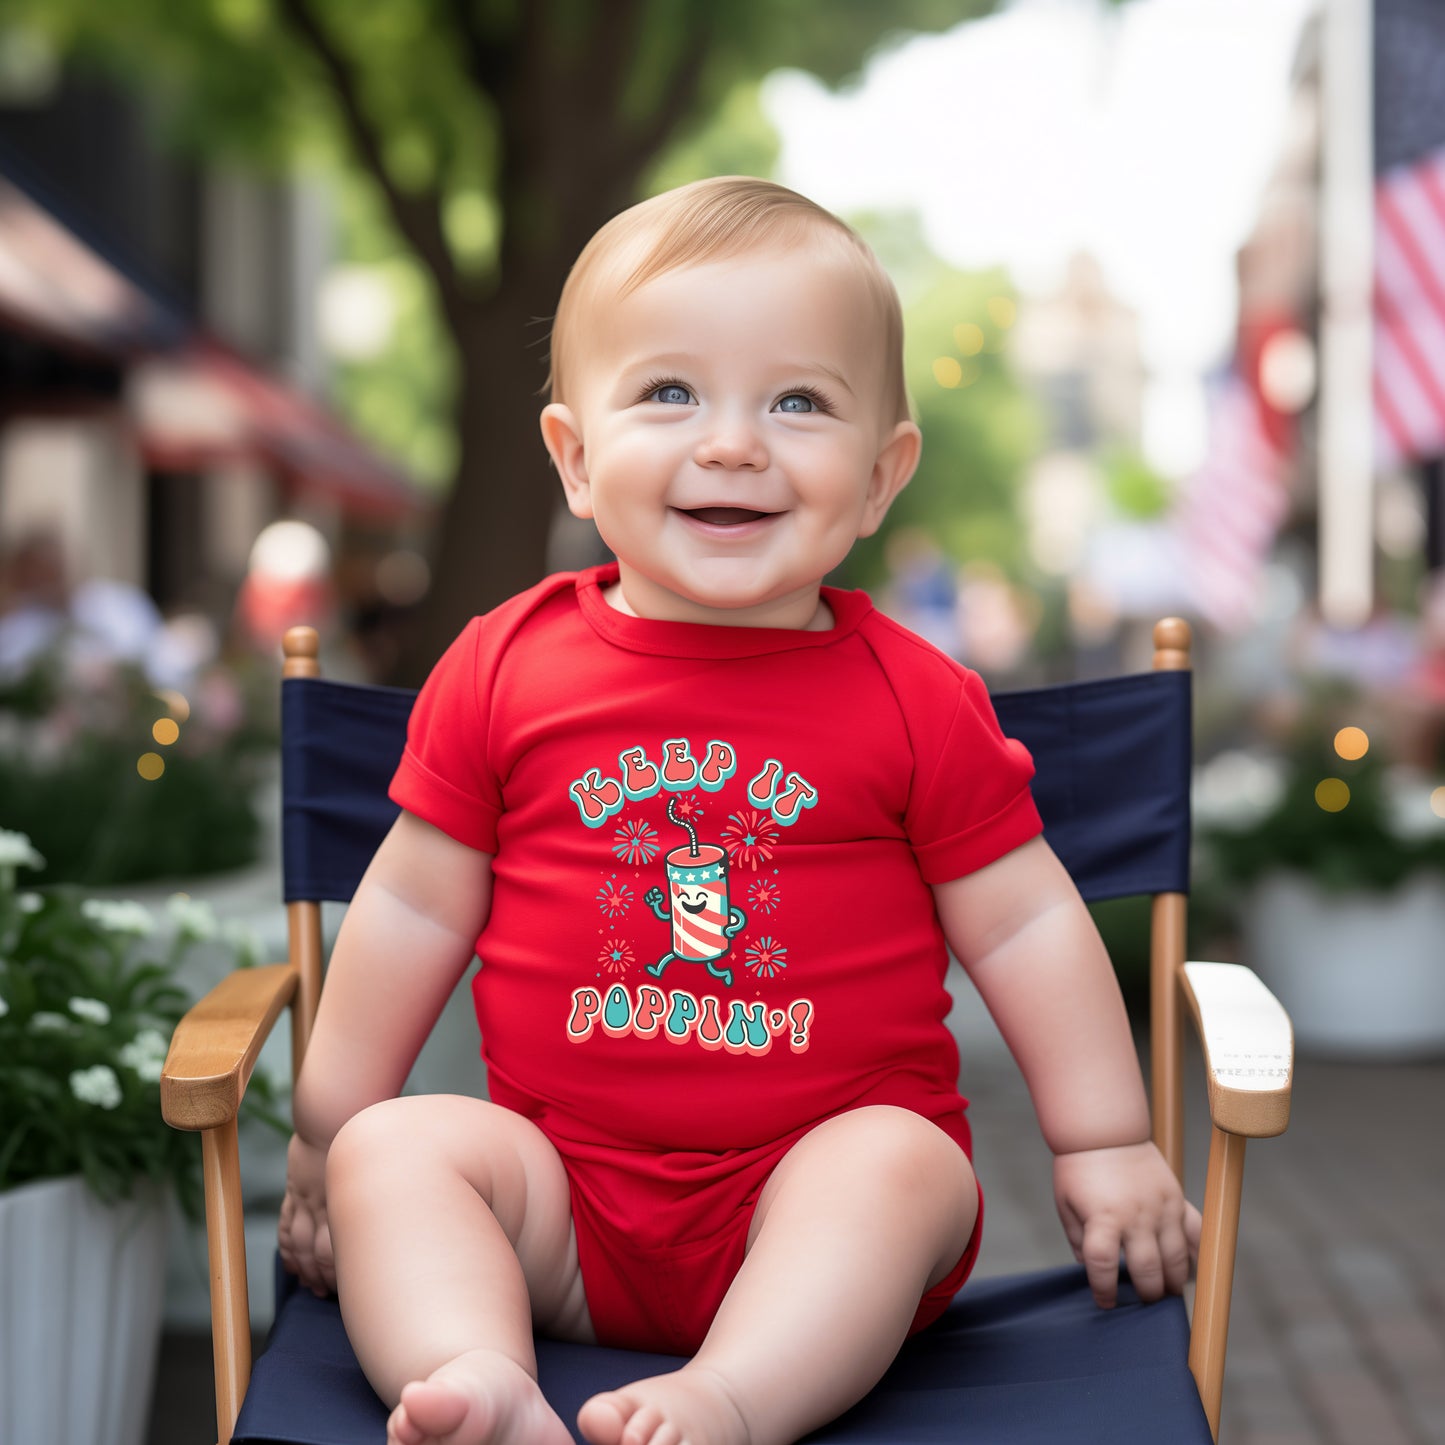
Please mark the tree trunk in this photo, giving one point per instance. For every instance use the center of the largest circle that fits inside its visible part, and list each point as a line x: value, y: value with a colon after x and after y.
x: 491, y: 535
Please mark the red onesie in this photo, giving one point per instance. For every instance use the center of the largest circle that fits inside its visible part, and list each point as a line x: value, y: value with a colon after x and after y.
x: 711, y: 924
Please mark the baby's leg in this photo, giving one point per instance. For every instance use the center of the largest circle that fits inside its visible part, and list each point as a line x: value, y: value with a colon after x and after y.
x: 861, y: 1218
x: 452, y: 1225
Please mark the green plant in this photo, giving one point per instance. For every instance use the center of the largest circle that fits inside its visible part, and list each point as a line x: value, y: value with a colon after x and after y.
x: 1334, y: 820
x: 76, y: 739
x: 88, y: 1001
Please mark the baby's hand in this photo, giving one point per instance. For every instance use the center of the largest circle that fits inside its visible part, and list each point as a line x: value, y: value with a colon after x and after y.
x: 304, y: 1236
x: 1127, y: 1198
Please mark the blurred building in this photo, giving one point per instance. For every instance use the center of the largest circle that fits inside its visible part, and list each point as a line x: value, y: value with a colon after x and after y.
x: 1078, y: 351
x: 159, y: 359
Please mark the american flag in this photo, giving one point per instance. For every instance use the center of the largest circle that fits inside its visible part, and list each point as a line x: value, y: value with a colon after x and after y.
x: 1232, y: 508
x: 1409, y: 88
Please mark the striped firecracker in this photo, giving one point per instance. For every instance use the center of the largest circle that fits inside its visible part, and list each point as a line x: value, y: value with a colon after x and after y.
x: 697, y: 879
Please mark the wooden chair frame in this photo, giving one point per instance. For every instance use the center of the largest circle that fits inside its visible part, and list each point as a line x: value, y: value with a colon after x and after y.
x: 1245, y: 1036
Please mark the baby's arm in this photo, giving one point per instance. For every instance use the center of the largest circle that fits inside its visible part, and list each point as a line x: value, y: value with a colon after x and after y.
x: 406, y: 940
x: 1027, y: 941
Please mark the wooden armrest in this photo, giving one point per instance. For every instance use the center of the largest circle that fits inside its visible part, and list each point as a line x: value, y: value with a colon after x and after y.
x: 1248, y: 1048
x: 215, y: 1046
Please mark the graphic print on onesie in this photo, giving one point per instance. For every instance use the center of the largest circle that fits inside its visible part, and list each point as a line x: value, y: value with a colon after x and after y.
x: 691, y: 926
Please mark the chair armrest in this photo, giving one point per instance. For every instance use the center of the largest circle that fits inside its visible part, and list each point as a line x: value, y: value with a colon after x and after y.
x: 1248, y: 1048
x: 215, y: 1046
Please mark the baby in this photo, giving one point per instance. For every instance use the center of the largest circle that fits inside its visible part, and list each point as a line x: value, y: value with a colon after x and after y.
x: 711, y: 826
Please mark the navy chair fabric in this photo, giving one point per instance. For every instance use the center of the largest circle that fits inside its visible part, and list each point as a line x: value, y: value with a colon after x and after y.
x: 1027, y: 1360
x: 340, y: 744
x: 1112, y: 782
x: 1022, y: 1359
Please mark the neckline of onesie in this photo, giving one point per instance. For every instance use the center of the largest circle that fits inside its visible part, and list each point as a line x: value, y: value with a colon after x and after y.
x: 701, y: 639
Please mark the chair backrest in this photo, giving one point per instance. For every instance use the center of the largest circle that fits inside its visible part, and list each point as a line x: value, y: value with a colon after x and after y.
x: 340, y: 744
x: 1112, y: 782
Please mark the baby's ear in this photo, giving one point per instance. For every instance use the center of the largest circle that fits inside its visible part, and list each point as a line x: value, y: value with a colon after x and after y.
x: 563, y: 439
x: 897, y: 461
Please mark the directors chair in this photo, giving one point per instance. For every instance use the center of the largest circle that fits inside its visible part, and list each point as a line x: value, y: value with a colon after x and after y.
x: 1022, y: 1359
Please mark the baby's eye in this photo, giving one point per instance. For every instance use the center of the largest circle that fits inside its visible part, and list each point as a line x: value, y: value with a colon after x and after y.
x: 671, y: 394
x: 798, y: 401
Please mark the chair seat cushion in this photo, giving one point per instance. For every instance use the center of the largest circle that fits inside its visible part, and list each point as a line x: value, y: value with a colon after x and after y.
x: 1023, y: 1359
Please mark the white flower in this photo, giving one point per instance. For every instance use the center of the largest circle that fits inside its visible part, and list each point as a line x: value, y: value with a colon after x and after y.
x: 4, y: 1008
x: 192, y: 917
x: 90, y: 1008
x: 147, y: 1069
x: 48, y: 1023
x: 30, y: 902
x: 145, y: 1054
x: 244, y: 939
x: 119, y: 917
x: 16, y: 851
x: 97, y: 1085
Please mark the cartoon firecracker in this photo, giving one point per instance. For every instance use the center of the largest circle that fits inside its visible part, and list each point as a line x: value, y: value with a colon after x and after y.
x: 704, y: 923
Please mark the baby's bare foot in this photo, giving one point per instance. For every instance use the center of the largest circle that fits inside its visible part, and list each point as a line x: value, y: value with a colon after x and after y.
x: 481, y: 1398
x: 692, y: 1407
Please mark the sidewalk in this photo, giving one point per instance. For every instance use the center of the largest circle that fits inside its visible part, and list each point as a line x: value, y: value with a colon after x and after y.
x: 1337, y: 1335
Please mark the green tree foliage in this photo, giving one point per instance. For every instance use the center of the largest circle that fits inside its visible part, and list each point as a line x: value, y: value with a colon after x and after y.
x: 1135, y: 489
x: 498, y: 134
x: 979, y: 426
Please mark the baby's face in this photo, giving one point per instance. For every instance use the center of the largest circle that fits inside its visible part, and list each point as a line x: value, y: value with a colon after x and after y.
x: 727, y: 429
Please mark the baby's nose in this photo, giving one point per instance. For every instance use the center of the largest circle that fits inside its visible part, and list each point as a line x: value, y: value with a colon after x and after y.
x: 732, y: 444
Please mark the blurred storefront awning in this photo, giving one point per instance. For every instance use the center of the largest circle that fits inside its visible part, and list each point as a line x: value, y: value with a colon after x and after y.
x: 57, y: 291
x: 204, y: 405
x: 77, y: 332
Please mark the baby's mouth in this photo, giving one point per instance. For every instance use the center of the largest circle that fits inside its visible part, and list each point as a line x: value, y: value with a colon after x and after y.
x: 725, y: 516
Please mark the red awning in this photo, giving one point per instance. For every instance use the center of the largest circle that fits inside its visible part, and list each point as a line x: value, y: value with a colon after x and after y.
x: 194, y: 401
x: 59, y: 291
x: 204, y: 404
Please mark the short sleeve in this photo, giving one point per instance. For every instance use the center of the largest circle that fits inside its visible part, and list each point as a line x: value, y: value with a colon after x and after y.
x: 970, y: 801
x: 444, y: 776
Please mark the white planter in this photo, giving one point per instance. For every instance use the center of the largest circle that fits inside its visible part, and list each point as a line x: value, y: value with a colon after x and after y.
x: 1361, y: 974
x: 81, y: 1286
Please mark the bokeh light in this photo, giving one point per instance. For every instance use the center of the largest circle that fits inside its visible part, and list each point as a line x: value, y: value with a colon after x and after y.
x: 290, y: 551
x: 1287, y: 370
x: 1352, y: 743
x: 150, y: 766
x: 1332, y: 794
x: 947, y: 371
x: 969, y: 337
x: 1437, y: 802
x: 165, y: 731
x: 1002, y: 311
x: 175, y: 702
x: 402, y: 577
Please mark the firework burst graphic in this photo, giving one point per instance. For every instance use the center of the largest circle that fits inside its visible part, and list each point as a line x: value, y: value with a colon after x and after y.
x: 688, y: 806
x: 765, y: 894
x: 636, y: 842
x: 750, y: 837
x: 767, y: 957
x: 616, y: 955
x: 614, y: 898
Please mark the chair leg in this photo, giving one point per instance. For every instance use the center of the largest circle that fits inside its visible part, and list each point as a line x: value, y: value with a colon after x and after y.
x: 230, y: 1298
x: 1209, y: 1332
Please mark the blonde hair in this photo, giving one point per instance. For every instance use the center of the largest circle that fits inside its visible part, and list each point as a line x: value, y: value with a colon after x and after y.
x: 713, y: 220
